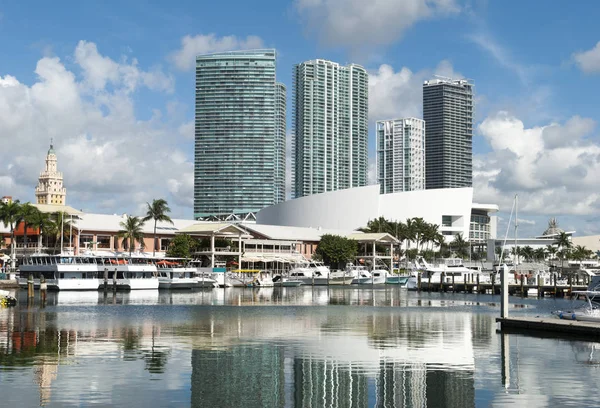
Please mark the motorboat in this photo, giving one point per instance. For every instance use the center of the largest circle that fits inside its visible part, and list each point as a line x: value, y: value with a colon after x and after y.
x: 6, y: 299
x: 286, y: 282
x: 310, y: 273
x: 589, y: 312
x: 359, y: 273
x: 397, y: 280
x: 262, y: 279
x: 451, y: 269
x: 173, y: 274
x: 343, y: 277
x: 378, y: 277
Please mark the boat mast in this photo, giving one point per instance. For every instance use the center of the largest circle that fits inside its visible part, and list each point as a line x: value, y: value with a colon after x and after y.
x: 516, y: 229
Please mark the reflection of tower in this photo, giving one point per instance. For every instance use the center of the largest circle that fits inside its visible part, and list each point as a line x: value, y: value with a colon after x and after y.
x: 241, y: 376
x: 50, y: 188
x: 450, y: 388
x: 45, y: 372
x: 327, y: 383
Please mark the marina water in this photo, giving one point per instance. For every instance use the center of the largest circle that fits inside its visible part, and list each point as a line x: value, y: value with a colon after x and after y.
x: 286, y: 347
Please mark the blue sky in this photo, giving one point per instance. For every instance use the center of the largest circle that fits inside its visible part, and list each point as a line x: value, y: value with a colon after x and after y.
x: 110, y: 81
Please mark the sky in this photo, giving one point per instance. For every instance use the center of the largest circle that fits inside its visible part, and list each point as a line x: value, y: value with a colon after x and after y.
x: 113, y: 84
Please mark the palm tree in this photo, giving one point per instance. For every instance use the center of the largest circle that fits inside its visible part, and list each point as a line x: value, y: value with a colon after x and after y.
x: 540, y: 254
x: 61, y: 227
x: 410, y: 233
x: 157, y: 211
x: 420, y: 230
x: 459, y: 245
x: 551, y: 250
x: 10, y: 215
x: 563, y: 242
x: 131, y: 232
x: 43, y: 222
x: 527, y: 252
x: 28, y: 214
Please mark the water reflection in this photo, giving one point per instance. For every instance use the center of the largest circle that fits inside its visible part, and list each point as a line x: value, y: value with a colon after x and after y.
x: 202, y: 349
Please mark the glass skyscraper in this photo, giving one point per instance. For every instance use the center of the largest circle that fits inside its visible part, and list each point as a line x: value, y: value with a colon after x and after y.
x: 448, y: 114
x: 239, y: 165
x: 330, y: 127
x: 400, y: 155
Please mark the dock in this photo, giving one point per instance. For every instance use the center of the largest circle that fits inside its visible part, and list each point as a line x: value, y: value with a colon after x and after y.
x: 496, y: 289
x: 550, y: 325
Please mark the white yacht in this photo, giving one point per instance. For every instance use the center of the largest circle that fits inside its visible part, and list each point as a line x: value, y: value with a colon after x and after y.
x: 62, y: 272
x: 133, y: 273
x: 262, y: 279
x: 310, y: 273
x: 175, y: 274
x: 452, y: 269
x: 360, y: 274
x: 89, y: 272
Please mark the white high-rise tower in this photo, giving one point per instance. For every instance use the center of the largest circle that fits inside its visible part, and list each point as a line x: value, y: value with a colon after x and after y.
x: 330, y: 127
x: 400, y: 155
x: 50, y: 188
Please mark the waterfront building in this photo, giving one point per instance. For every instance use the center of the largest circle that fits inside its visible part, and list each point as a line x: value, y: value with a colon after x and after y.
x: 350, y: 209
x: 330, y: 123
x: 239, y: 164
x: 400, y: 155
x: 50, y: 188
x: 448, y: 113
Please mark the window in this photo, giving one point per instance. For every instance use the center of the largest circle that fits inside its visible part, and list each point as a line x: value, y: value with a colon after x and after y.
x: 164, y: 244
x: 103, y: 241
x: 85, y: 241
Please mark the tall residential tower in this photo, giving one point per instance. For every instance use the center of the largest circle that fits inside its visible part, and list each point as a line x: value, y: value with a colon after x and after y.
x: 448, y: 113
x: 400, y: 155
x: 239, y: 165
x: 330, y: 127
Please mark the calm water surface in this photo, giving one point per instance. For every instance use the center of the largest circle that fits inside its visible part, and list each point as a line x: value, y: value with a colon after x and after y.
x: 286, y: 347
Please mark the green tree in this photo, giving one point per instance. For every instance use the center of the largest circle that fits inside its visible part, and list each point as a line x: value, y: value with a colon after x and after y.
x: 10, y: 215
x: 564, y: 245
x: 540, y: 254
x: 182, y: 246
x: 61, y: 227
x: 131, y: 231
x: 157, y: 211
x: 43, y: 222
x: 551, y: 250
x: 335, y: 250
x: 460, y: 246
x: 28, y: 215
x: 527, y: 252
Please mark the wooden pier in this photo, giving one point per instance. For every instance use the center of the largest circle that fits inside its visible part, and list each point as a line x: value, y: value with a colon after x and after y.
x: 550, y: 325
x: 513, y: 289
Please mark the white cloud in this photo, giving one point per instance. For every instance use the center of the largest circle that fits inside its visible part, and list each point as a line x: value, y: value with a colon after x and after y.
x: 185, y: 57
x: 361, y: 24
x: 501, y: 55
x: 100, y: 70
x: 187, y: 130
x: 551, y: 178
x: 111, y: 160
x: 525, y: 221
x: 399, y: 94
x: 589, y: 61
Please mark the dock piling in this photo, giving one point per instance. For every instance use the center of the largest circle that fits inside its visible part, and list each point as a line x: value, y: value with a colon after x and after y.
x: 30, y: 292
x: 504, y: 291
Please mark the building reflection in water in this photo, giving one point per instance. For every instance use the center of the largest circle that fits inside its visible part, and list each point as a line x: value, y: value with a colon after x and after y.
x: 407, y: 356
x: 422, y: 359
